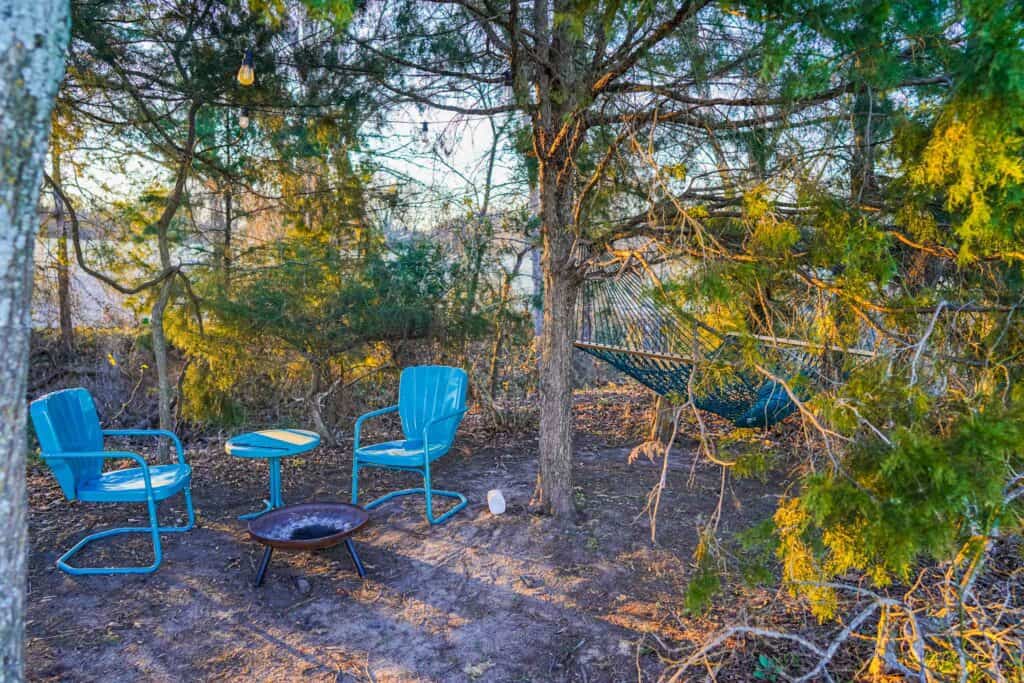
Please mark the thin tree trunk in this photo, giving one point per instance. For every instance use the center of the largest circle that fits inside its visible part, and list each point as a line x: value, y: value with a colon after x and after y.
x: 67, y: 330
x: 499, y: 325
x: 33, y: 37
x: 479, y: 246
x: 499, y: 338
x: 663, y: 421
x: 165, y: 389
x: 160, y: 356
x: 314, y: 397
x: 863, y: 182
x: 226, y: 255
x: 536, y: 309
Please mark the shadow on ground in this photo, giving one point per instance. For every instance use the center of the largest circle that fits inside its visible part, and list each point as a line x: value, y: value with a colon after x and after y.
x: 509, y: 598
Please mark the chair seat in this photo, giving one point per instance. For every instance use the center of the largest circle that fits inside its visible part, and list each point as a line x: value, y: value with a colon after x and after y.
x: 402, y: 453
x: 129, y: 486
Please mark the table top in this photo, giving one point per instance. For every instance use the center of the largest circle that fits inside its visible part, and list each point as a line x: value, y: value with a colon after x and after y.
x: 272, y: 443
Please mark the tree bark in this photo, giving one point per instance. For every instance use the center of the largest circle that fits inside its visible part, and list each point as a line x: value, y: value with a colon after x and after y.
x: 33, y: 37
x: 561, y: 286
x: 554, y: 482
x: 557, y: 134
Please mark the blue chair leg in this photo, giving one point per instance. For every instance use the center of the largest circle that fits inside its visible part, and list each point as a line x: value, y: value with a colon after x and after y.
x: 355, y: 480
x: 154, y: 529
x: 428, y: 493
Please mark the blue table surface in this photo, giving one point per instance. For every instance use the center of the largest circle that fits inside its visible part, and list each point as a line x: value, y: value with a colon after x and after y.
x: 272, y: 443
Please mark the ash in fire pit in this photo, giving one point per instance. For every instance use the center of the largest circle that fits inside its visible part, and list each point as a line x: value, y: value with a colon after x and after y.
x: 307, y: 526
x: 311, y: 531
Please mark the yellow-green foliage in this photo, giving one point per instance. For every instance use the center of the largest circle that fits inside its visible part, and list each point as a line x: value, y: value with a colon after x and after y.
x: 978, y: 159
x: 922, y: 497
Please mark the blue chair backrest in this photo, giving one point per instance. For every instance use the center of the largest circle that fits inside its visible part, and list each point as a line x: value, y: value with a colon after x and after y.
x: 426, y: 392
x: 66, y: 422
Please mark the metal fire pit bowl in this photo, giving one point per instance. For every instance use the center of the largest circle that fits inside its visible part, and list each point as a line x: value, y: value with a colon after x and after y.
x: 307, y: 526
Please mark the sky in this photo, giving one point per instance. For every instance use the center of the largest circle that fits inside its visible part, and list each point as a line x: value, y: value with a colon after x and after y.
x: 443, y: 168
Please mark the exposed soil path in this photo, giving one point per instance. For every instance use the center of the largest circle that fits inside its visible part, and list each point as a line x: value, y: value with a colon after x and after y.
x: 508, y: 598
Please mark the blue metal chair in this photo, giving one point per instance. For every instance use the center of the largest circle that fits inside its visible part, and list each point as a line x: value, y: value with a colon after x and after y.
x: 72, y: 445
x: 431, y: 403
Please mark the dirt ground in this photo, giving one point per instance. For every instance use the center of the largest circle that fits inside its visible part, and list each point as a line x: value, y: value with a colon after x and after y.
x: 480, y: 598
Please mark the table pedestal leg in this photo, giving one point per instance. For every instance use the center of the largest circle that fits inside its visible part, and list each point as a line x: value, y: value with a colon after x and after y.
x: 275, y: 500
x: 263, y: 566
x: 351, y: 548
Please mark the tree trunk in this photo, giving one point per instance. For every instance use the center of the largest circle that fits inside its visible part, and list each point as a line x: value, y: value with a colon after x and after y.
x: 557, y: 133
x: 226, y: 255
x: 67, y: 330
x: 504, y: 300
x: 160, y: 356
x: 561, y: 286
x: 315, y: 397
x: 663, y: 421
x: 866, y: 110
x: 33, y: 36
x: 554, y: 483
x: 536, y: 310
x: 165, y: 392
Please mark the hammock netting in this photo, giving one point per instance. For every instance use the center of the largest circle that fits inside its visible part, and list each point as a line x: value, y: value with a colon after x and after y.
x: 621, y: 321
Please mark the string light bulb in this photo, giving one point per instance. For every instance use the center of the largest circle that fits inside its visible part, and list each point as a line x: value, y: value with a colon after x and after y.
x: 243, y: 119
x: 425, y: 132
x: 247, y: 72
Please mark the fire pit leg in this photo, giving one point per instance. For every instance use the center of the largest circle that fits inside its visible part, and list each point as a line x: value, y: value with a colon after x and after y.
x: 350, y: 546
x: 263, y: 565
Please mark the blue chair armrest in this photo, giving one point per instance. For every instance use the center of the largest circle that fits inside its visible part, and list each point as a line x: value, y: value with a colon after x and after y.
x: 108, y: 455
x: 154, y: 433
x: 367, y: 416
x: 426, y: 428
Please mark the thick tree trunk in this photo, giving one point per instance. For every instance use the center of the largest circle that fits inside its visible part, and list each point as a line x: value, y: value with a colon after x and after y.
x: 561, y: 285
x: 554, y: 482
x: 557, y: 134
x: 33, y: 36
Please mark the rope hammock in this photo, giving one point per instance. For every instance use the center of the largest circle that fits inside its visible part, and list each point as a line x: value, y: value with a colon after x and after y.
x: 621, y: 321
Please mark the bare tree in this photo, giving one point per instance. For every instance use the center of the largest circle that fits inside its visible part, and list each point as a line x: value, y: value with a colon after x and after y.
x: 609, y: 92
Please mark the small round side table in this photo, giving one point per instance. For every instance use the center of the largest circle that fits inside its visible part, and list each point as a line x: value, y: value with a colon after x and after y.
x: 272, y: 445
